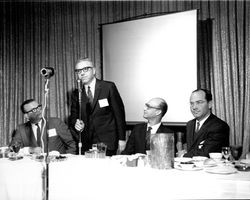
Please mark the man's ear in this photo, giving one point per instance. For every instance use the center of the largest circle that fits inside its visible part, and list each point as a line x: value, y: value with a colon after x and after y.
x: 26, y: 116
x: 158, y: 112
x: 210, y: 105
x: 94, y: 71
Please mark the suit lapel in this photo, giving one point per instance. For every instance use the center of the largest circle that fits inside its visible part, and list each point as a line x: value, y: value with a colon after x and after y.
x: 84, y: 111
x: 97, y: 93
x: 201, y: 130
x: 193, y: 136
x: 143, y: 134
x: 159, y: 130
x: 28, y: 135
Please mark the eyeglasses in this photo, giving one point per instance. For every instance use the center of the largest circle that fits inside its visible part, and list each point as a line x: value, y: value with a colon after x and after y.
x: 35, y: 109
x: 85, y: 69
x: 151, y: 107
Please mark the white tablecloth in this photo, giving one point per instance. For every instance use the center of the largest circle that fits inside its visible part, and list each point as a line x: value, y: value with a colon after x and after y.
x: 21, y: 179
x: 81, y: 178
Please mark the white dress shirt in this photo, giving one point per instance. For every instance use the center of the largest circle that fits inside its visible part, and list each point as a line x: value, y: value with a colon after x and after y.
x: 92, y: 87
x: 34, y: 128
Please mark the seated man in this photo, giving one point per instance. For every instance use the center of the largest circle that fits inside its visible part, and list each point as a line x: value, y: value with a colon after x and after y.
x: 205, y: 133
x: 139, y: 140
x: 29, y: 133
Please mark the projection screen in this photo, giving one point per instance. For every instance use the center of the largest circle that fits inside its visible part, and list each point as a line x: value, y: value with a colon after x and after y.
x: 153, y: 57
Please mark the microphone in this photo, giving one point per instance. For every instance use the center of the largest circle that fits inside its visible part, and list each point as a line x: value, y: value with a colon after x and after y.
x: 47, y: 72
x: 79, y: 90
x: 79, y: 85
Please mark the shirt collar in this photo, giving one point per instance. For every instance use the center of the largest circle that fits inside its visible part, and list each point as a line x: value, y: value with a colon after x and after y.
x: 92, y: 86
x: 202, y: 121
x: 154, y: 127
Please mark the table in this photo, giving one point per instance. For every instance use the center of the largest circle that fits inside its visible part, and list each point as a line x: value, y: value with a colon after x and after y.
x: 93, y: 179
x: 90, y: 179
x: 21, y: 179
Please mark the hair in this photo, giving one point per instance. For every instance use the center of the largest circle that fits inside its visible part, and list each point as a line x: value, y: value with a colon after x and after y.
x: 164, y: 107
x: 84, y: 59
x: 208, y: 94
x: 24, y: 103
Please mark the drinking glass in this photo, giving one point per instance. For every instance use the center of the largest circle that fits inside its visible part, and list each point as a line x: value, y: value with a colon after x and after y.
x: 15, y: 146
x: 226, y: 153
x: 94, y: 147
x: 236, y: 151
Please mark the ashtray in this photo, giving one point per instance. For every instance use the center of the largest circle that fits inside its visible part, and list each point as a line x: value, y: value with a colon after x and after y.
x: 15, y: 158
x: 60, y: 158
x: 242, y: 167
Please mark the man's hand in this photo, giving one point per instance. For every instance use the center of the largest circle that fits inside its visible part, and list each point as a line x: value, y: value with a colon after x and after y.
x: 122, y: 145
x: 79, y: 125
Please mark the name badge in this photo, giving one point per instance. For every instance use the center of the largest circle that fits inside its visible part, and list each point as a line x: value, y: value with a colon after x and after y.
x: 52, y: 132
x: 103, y: 103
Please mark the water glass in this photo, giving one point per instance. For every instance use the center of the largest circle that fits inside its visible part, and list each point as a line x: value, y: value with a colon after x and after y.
x: 226, y: 153
x: 236, y: 151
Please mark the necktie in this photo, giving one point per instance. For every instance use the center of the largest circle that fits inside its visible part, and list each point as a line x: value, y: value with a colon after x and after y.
x: 38, y: 135
x: 90, y: 96
x: 148, y: 134
x: 197, y: 126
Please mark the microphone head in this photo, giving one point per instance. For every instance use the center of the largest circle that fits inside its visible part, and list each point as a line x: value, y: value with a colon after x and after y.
x: 47, y: 72
x: 79, y: 87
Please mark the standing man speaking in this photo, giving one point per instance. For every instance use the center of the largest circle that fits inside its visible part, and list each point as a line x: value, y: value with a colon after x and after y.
x: 102, y: 110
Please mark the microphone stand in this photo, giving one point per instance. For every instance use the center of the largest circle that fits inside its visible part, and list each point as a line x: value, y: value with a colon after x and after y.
x: 80, y: 116
x: 47, y: 72
x: 46, y: 186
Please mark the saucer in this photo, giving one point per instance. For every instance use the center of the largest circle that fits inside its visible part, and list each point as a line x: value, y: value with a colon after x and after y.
x: 221, y: 170
x: 187, y: 169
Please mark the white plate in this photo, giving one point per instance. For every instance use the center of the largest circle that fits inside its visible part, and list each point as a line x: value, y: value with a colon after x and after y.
x: 209, y: 165
x: 221, y: 170
x: 245, y: 161
x: 182, y: 159
x: 185, y: 169
x: 199, y: 158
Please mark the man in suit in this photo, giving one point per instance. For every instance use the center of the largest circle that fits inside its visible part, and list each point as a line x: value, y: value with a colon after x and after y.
x: 205, y: 133
x: 139, y: 139
x: 101, y: 110
x: 29, y: 134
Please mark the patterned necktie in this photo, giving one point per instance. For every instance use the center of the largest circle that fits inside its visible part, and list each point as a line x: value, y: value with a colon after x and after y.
x: 38, y: 135
x: 90, y: 96
x: 148, y: 134
x: 197, y: 126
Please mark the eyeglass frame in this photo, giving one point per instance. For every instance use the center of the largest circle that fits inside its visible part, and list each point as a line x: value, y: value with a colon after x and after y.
x: 34, y: 110
x: 151, y: 107
x: 84, y: 69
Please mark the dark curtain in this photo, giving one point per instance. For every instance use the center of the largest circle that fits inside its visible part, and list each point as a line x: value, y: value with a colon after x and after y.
x: 34, y: 35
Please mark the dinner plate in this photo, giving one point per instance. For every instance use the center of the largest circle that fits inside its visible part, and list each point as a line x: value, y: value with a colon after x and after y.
x: 245, y: 161
x: 186, y: 169
x: 199, y: 158
x: 182, y: 159
x: 209, y: 165
x: 221, y: 170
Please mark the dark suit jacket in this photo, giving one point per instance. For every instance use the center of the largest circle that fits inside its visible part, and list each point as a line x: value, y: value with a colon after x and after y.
x: 137, y: 139
x: 59, y: 140
x: 104, y: 120
x: 213, y: 135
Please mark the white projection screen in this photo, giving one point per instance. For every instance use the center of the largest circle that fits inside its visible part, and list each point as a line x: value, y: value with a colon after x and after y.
x: 153, y: 57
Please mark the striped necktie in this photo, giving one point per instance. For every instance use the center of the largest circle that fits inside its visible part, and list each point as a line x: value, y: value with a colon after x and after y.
x: 38, y: 135
x: 197, y: 127
x: 148, y: 134
x: 90, y: 95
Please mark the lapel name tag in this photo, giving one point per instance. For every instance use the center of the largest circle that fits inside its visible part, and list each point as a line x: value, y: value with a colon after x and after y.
x: 52, y: 132
x: 103, y: 103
